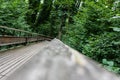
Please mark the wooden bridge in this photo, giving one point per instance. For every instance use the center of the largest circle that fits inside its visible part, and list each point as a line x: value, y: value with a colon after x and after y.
x: 46, y: 60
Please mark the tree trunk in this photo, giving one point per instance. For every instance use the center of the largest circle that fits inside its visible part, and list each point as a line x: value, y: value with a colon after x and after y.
x: 62, y: 24
x: 44, y: 13
x: 32, y: 12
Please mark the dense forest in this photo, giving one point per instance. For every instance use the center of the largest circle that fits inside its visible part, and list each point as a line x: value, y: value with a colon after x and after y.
x: 90, y: 26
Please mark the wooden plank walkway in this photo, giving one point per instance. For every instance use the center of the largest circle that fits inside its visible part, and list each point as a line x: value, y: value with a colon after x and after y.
x: 13, y: 59
x: 58, y: 61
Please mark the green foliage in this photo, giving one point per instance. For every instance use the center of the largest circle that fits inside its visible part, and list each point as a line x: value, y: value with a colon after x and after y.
x: 103, y: 46
x: 96, y: 33
x: 44, y: 30
x: 75, y: 34
x: 116, y: 29
x: 12, y: 14
x: 110, y: 65
x: 97, y: 19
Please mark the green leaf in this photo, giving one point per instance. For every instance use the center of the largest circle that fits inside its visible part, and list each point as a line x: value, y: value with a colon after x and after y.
x: 115, y: 29
x: 104, y: 61
x: 111, y: 63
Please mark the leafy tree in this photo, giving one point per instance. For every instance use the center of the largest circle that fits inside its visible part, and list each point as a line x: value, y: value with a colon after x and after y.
x: 12, y: 14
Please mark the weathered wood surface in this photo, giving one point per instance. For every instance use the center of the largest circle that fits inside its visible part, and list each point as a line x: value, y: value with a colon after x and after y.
x: 12, y: 59
x: 10, y: 40
x: 57, y: 61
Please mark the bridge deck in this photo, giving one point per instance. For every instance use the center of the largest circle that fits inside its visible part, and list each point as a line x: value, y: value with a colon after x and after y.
x: 13, y: 59
x: 57, y: 61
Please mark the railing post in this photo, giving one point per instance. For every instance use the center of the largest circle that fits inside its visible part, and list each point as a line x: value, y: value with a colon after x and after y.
x: 26, y: 41
x: 37, y: 38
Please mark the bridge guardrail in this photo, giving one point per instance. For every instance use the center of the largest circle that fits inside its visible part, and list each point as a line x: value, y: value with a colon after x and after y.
x: 10, y: 39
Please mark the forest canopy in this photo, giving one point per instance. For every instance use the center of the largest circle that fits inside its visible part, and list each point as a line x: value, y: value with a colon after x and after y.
x: 89, y: 26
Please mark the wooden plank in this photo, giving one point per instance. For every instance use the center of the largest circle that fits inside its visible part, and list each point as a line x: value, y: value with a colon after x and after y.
x: 11, y: 55
x: 0, y: 76
x: 17, y: 30
x: 17, y: 57
x: 15, y: 61
x: 16, y: 64
x: 11, y: 40
x: 11, y: 63
x: 57, y: 61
